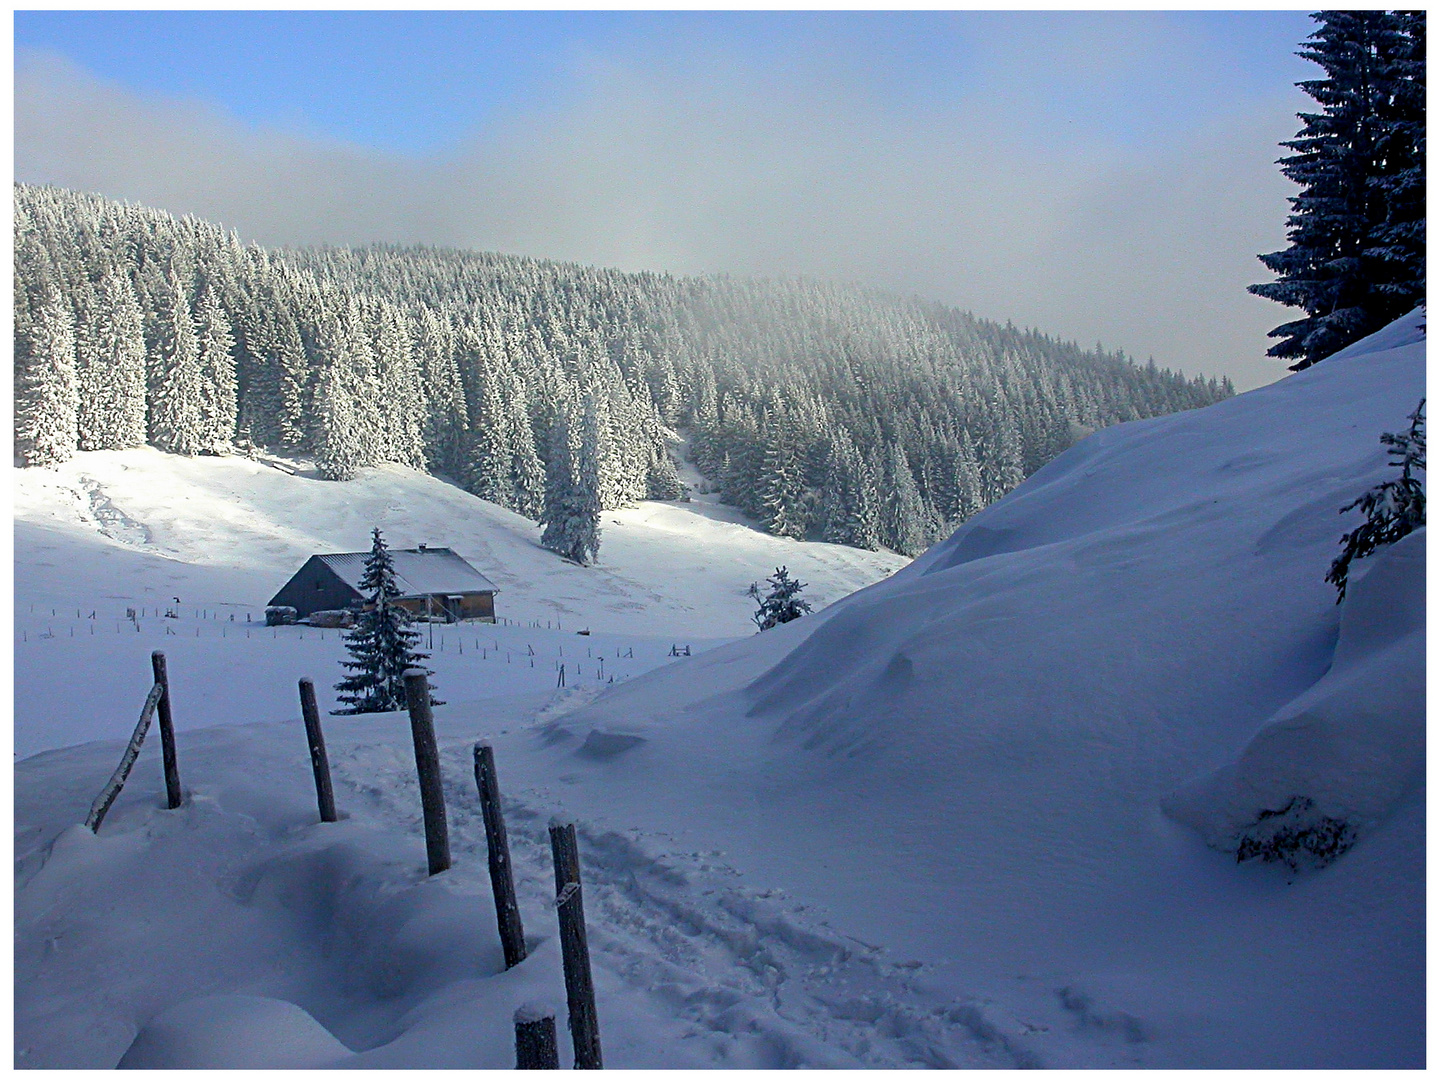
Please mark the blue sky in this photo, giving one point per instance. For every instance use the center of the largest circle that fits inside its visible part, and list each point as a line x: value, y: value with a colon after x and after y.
x: 419, y: 82
x: 1098, y: 175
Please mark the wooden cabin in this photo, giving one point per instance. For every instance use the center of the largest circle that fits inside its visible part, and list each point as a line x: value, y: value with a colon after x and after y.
x: 434, y: 582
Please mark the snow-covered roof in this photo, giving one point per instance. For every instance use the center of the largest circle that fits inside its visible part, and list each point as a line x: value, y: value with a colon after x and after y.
x: 418, y: 572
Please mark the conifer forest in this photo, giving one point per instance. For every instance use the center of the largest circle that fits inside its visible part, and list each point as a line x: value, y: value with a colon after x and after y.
x: 825, y: 411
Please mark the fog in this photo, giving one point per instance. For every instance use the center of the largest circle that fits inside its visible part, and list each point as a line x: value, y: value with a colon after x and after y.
x: 706, y: 164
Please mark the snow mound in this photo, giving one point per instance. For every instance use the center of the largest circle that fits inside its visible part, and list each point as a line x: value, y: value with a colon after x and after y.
x: 1348, y: 749
x: 234, y: 1031
x: 986, y: 758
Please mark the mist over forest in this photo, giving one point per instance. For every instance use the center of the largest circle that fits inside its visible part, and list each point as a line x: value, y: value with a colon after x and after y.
x: 824, y: 411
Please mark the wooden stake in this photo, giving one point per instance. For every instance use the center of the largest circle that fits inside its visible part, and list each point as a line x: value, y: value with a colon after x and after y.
x: 427, y: 768
x: 502, y: 881
x: 319, y: 761
x: 574, y: 948
x: 535, y: 1038
x: 101, y: 806
x: 167, y: 732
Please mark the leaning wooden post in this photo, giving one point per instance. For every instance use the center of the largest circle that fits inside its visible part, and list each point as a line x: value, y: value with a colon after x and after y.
x: 427, y: 767
x: 319, y: 761
x: 101, y: 806
x: 535, y: 1046
x: 574, y: 949
x: 502, y: 881
x: 167, y: 731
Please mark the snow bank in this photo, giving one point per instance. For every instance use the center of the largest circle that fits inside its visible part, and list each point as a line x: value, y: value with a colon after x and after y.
x: 1349, y: 748
x: 972, y: 760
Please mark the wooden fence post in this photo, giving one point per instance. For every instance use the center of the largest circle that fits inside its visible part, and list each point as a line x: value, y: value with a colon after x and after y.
x: 319, y: 761
x: 502, y: 881
x: 167, y: 731
x: 535, y: 1046
x: 101, y: 806
x: 574, y: 948
x: 427, y: 767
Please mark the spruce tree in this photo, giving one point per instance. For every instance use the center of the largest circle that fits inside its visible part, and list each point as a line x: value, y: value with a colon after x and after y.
x: 782, y: 603
x: 175, y: 377
x: 214, y: 342
x: 572, y: 502
x: 382, y: 644
x: 46, y: 399
x: 1393, y: 508
x: 1356, y: 259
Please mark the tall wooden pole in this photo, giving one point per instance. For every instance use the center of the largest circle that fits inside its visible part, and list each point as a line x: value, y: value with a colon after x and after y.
x: 574, y: 948
x: 319, y: 761
x: 427, y: 767
x: 502, y: 881
x: 167, y: 732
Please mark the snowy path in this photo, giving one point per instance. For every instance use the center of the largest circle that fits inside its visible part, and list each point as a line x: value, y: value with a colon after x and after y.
x: 694, y: 967
x: 756, y: 979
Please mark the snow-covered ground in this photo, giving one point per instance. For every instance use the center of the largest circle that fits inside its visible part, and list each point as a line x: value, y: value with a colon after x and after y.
x: 115, y: 530
x: 979, y: 813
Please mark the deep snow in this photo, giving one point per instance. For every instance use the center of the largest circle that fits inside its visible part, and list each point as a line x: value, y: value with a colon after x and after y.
x: 980, y: 813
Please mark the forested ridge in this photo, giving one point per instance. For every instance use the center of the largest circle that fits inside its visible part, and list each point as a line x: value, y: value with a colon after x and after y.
x: 554, y: 389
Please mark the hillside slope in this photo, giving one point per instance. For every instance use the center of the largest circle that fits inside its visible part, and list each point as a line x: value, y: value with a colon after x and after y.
x: 1004, y: 758
x: 981, y: 813
x: 116, y: 529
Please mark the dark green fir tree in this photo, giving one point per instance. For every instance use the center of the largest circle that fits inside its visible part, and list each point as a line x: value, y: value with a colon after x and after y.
x: 1356, y: 259
x: 383, y: 645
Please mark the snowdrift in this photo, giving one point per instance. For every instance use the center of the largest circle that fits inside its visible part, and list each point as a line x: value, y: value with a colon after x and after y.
x: 1017, y: 757
x: 986, y: 812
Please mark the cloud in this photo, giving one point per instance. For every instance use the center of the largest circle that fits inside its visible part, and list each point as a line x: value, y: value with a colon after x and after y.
x: 702, y: 163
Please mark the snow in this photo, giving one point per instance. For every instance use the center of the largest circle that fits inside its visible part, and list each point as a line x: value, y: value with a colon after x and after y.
x: 980, y: 813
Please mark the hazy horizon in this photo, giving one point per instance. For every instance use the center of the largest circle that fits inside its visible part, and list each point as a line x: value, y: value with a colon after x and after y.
x: 1100, y: 177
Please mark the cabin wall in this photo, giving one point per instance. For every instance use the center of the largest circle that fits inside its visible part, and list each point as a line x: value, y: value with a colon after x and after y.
x: 473, y: 606
x: 315, y: 588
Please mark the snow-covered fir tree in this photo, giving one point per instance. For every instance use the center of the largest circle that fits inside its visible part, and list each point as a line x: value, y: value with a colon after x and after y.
x: 782, y: 603
x: 383, y: 645
x: 572, y: 503
x: 1356, y: 259
x: 110, y: 371
x: 792, y: 397
x: 46, y: 398
x: 1392, y: 508
x: 213, y: 344
x: 175, y: 379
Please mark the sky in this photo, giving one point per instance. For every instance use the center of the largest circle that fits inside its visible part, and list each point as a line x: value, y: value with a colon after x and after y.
x: 1101, y: 176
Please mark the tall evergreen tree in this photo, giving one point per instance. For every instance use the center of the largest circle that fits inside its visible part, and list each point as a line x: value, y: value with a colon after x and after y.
x: 572, y: 502
x: 46, y: 399
x: 214, y: 343
x: 1356, y: 258
x: 382, y: 645
x: 175, y: 377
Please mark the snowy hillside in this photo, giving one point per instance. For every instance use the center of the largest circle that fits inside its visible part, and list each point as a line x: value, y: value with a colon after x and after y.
x: 1003, y: 760
x: 982, y: 813
x: 110, y: 530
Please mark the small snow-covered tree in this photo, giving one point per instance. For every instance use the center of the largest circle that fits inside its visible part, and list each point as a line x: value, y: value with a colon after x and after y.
x: 382, y: 645
x: 1393, y: 508
x: 782, y: 603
